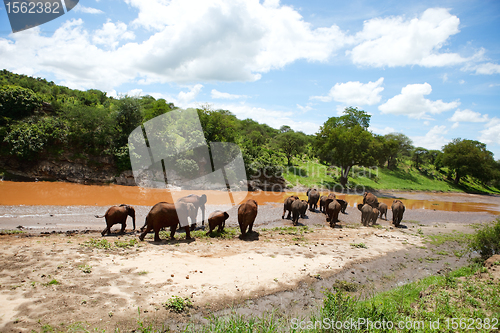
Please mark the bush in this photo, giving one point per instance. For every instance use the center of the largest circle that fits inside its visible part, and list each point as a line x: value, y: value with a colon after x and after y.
x: 27, y: 138
x: 18, y: 102
x: 486, y: 240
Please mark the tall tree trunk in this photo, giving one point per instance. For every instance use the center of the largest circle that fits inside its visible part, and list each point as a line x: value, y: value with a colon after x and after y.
x: 457, y: 177
x: 344, y: 175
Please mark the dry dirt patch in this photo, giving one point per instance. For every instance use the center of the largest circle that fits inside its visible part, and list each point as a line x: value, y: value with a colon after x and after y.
x: 55, y: 280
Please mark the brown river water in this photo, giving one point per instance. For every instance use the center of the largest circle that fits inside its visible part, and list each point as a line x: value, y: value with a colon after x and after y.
x: 70, y: 194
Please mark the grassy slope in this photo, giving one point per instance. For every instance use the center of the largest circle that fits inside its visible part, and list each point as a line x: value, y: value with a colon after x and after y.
x: 405, y: 178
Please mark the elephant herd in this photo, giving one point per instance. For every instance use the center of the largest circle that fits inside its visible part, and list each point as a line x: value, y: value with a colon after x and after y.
x: 166, y: 215
x: 331, y: 207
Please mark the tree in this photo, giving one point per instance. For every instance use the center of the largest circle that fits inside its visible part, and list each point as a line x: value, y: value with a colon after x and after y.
x: 346, y: 142
x: 418, y: 156
x: 291, y: 143
x: 468, y: 158
x: 129, y: 116
x: 396, y: 146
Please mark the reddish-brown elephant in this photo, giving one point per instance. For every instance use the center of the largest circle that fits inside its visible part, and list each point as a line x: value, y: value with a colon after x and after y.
x: 287, y: 205
x: 165, y: 215
x: 118, y: 215
x: 299, y: 209
x: 370, y: 199
x: 382, y: 207
x: 217, y: 219
x: 247, y: 212
x: 332, y: 212
x: 312, y: 199
x: 398, y: 208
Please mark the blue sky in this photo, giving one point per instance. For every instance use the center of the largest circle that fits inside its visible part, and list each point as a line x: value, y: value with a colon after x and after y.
x: 428, y: 69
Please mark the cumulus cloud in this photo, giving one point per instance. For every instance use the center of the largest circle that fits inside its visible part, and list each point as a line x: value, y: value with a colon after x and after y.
x: 88, y: 10
x: 111, y: 34
x: 354, y: 93
x: 396, y: 41
x: 434, y: 139
x: 190, y: 41
x: 381, y: 131
x: 184, y: 99
x: 304, y: 109
x: 468, y: 116
x: 491, y: 133
x: 488, y: 68
x: 222, y: 95
x: 412, y: 103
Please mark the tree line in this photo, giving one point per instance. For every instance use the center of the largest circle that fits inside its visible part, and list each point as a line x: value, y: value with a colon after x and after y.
x: 39, y: 119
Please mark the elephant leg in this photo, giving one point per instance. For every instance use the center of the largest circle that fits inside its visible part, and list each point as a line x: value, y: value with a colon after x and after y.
x: 243, y: 229
x: 173, y: 228
x: 250, y: 226
x: 289, y: 215
x: 106, y: 230
x: 145, y: 232
x: 188, y: 232
x: 123, y: 227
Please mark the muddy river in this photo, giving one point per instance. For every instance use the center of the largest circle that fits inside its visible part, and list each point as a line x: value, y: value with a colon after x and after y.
x: 58, y: 205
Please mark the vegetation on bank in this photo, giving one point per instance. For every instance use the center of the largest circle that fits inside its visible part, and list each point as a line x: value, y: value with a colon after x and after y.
x: 42, y: 120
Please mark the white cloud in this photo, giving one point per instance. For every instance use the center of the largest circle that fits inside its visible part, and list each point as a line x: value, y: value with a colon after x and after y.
x: 190, y: 41
x: 455, y: 125
x: 468, y: 116
x: 491, y: 133
x: 185, y: 98
x: 88, y: 10
x: 111, y: 34
x: 304, y: 109
x: 412, y: 103
x: 486, y: 68
x: 396, y: 41
x: 382, y: 131
x: 222, y: 95
x: 434, y: 139
x: 426, y: 123
x: 354, y: 93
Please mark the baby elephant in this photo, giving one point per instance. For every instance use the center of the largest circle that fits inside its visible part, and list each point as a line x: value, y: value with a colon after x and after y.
x: 217, y: 218
x: 299, y: 208
x: 247, y: 212
x: 383, y: 210
x: 117, y: 215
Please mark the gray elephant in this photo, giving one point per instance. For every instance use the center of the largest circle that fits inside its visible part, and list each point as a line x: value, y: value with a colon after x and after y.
x: 117, y: 215
x: 198, y: 202
x: 332, y: 212
x: 382, y: 207
x: 366, y: 214
x: 299, y: 209
x: 322, y: 204
x: 343, y: 205
x: 287, y: 206
x: 398, y: 208
x: 164, y: 215
x: 312, y: 199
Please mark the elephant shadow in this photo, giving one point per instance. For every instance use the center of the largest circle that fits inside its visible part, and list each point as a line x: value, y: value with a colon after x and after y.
x: 172, y: 241
x: 119, y: 233
x: 250, y: 236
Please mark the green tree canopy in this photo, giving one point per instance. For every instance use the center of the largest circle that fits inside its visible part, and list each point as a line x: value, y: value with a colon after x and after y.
x: 468, y: 158
x: 17, y: 102
x: 291, y: 143
x: 346, y: 142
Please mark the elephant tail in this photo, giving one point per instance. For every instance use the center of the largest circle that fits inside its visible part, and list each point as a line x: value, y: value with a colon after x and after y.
x: 99, y: 217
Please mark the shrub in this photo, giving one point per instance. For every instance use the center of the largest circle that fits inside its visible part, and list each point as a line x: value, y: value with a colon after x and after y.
x: 486, y: 240
x: 18, y: 102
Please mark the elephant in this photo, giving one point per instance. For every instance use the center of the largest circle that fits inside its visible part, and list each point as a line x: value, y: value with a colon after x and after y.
x: 382, y: 207
x: 366, y: 213
x: 198, y: 202
x: 118, y: 215
x: 164, y: 215
x: 374, y: 215
x: 343, y: 205
x: 217, y: 218
x: 247, y: 212
x: 299, y: 209
x: 398, y: 208
x: 287, y: 206
x: 313, y: 197
x: 371, y: 199
x: 332, y: 212
x: 322, y: 204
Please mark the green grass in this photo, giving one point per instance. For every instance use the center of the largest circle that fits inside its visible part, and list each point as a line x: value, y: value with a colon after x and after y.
x: 12, y: 232
x: 102, y: 243
x: 313, y: 174
x: 178, y: 304
x: 359, y: 245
